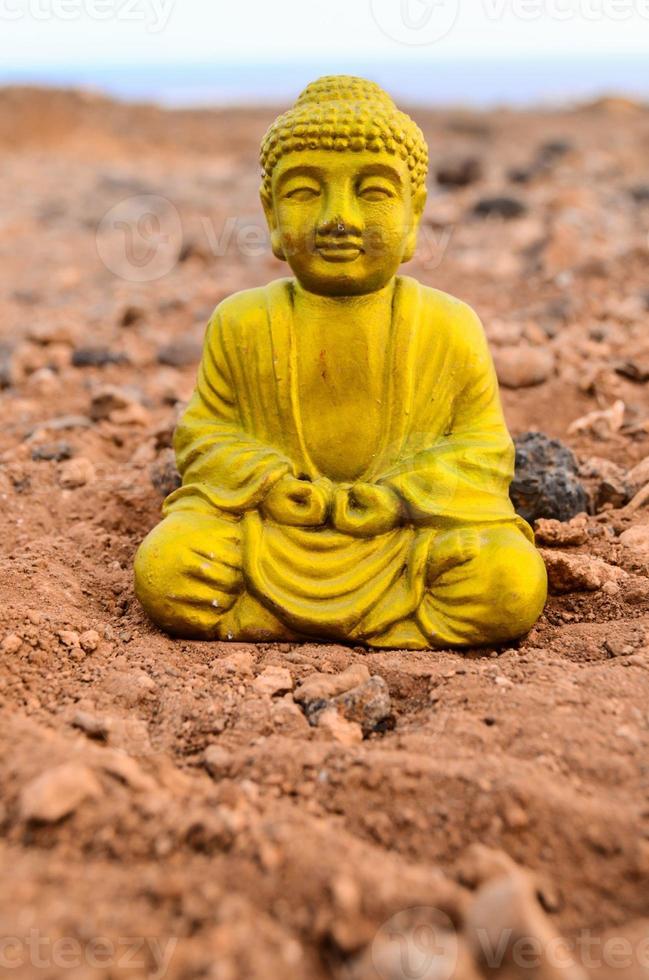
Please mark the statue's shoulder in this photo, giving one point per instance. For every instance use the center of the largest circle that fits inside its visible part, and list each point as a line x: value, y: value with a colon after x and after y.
x: 249, y: 306
x: 446, y: 314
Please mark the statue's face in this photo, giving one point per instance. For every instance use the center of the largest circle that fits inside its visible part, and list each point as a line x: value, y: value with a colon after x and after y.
x: 344, y: 221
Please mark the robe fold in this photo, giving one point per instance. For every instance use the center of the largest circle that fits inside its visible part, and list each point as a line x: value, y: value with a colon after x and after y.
x: 445, y: 450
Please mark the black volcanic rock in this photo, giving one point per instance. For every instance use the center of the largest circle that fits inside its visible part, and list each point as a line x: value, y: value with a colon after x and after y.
x: 546, y: 483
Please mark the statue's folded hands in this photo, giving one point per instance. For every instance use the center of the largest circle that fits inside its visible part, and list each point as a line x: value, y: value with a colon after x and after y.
x: 365, y: 510
x: 298, y: 503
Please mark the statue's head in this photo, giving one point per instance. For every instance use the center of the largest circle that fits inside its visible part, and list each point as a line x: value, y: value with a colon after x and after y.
x: 344, y: 186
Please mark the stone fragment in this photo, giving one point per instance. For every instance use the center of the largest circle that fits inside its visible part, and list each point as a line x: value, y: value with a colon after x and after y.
x: 130, y: 315
x: 607, y: 482
x: 239, y: 663
x: 636, y: 539
x: 499, y: 207
x: 339, y: 728
x: 110, y: 399
x: 273, y: 681
x: 638, y: 476
x: 97, y: 357
x: 640, y: 193
x: 69, y: 638
x: 129, y: 687
x: 134, y: 414
x: 58, y: 792
x: 288, y: 719
x: 617, y: 647
x: 6, y: 366
x: 125, y: 768
x: 60, y: 423
x: 459, y: 172
x: 164, y: 473
x: 11, y: 644
x: 218, y: 761
x: 323, y: 686
x: 57, y: 451
x: 554, y: 149
x: 546, y: 482
x: 91, y: 725
x: 77, y: 472
x: 578, y: 573
x: 46, y: 333
x: 89, y: 641
x: 523, y: 365
x: 182, y: 353
x: 601, y: 424
x: 560, y: 533
x: 368, y: 704
x: 633, y: 370
x: 506, y: 913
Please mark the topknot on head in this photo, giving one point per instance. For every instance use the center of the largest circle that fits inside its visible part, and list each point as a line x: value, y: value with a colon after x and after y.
x: 343, y: 88
x: 342, y: 112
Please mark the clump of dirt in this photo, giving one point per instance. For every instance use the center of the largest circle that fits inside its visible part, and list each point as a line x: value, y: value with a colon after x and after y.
x: 229, y: 810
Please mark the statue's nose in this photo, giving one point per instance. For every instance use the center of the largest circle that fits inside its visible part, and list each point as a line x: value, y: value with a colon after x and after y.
x: 339, y: 218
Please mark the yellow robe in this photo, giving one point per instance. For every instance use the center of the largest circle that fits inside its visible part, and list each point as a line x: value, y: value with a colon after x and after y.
x: 445, y: 450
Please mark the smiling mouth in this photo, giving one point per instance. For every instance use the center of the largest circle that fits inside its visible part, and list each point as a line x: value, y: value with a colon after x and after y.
x: 339, y: 251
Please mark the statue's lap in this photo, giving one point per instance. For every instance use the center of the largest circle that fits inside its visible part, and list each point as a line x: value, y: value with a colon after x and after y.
x: 190, y: 580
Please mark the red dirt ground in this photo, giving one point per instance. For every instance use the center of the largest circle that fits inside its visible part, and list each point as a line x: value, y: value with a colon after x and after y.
x: 288, y: 855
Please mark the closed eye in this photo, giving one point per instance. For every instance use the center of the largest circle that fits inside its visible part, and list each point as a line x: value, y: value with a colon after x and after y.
x: 375, y: 192
x: 304, y: 193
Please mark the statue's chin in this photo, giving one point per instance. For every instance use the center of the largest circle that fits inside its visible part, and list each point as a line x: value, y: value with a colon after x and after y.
x: 342, y: 279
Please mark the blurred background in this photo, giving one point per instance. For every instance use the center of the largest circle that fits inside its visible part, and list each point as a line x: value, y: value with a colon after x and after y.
x: 200, y: 809
x: 477, y: 52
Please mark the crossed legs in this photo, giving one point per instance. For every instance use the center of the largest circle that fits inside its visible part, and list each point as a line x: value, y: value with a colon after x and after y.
x: 485, y: 585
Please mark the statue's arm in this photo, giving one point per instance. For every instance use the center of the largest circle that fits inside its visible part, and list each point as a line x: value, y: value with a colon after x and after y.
x: 212, y: 447
x: 463, y: 475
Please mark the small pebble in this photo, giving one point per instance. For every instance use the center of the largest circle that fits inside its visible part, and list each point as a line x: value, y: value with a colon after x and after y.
x: 69, y: 638
x: 273, y: 681
x: 89, y: 640
x: 76, y: 473
x: 57, y: 451
x: 58, y: 792
x: 97, y: 357
x: 217, y: 760
x: 343, y: 731
x: 499, y: 207
x: 11, y: 644
x: 523, y: 365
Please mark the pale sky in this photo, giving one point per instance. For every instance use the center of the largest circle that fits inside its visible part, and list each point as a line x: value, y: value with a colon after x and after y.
x: 44, y: 33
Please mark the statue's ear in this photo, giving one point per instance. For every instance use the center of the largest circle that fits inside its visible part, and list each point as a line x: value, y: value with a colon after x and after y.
x: 418, y: 205
x: 269, y: 211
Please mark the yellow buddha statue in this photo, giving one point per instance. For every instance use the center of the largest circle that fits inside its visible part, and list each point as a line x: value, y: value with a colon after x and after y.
x: 344, y: 457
